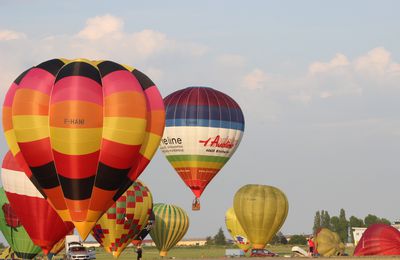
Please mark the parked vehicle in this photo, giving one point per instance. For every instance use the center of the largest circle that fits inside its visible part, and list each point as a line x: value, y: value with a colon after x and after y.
x: 76, y: 251
x: 234, y: 252
x: 261, y: 253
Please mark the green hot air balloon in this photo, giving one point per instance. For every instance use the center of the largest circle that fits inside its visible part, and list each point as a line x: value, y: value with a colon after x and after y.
x: 14, y: 232
x: 261, y: 210
x: 171, y: 225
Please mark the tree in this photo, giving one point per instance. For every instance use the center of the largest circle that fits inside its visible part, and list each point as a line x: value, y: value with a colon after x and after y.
x: 317, y: 222
x: 343, y: 225
x: 279, y: 238
x: 219, y: 238
x: 325, y: 219
x: 209, y: 241
x: 370, y: 219
x: 385, y: 221
x: 298, y: 240
x: 356, y: 222
x: 335, y: 223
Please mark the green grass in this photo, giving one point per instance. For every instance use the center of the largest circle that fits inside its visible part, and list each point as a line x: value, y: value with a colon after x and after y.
x: 193, y: 252
x: 184, y: 252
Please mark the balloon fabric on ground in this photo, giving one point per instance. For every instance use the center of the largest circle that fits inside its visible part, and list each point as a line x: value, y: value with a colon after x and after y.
x: 116, y: 229
x: 14, y: 232
x: 172, y: 223
x: 83, y: 131
x: 379, y: 239
x: 236, y: 230
x: 328, y: 243
x: 261, y: 211
x: 203, y: 130
x: 39, y: 219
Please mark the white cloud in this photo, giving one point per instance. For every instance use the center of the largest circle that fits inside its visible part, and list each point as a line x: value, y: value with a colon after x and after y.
x: 101, y: 26
x: 254, y: 80
x: 339, y: 61
x: 8, y: 35
x: 377, y: 63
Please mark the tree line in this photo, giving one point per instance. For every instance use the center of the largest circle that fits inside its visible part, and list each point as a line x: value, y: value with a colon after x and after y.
x: 341, y: 224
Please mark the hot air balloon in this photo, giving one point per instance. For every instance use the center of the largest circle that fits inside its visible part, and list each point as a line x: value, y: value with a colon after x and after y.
x: 236, y: 230
x: 39, y: 219
x: 379, y: 239
x: 328, y: 243
x: 14, y: 232
x: 124, y: 220
x: 171, y: 225
x: 203, y: 129
x: 261, y: 210
x: 146, y: 230
x: 82, y: 131
x: 57, y: 248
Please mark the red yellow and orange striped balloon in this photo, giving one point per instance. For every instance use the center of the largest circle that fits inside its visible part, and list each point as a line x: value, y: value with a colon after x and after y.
x: 83, y: 131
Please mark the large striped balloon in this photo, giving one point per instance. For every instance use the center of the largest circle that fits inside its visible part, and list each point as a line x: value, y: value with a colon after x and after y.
x: 39, y: 219
x: 203, y: 129
x: 83, y: 131
x: 171, y: 225
x: 125, y: 219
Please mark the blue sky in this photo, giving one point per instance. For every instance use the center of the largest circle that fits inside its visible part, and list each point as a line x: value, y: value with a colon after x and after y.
x: 318, y: 83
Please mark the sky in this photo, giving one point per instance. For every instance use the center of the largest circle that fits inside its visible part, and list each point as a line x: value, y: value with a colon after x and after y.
x: 318, y: 83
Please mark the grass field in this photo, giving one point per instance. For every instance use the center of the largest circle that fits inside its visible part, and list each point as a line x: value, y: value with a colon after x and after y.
x: 212, y: 252
x: 190, y: 252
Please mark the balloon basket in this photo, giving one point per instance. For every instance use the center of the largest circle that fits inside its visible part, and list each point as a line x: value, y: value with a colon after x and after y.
x: 196, y: 204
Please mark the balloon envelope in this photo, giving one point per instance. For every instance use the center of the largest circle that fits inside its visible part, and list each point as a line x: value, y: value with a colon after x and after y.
x: 124, y: 220
x: 83, y: 131
x: 172, y: 223
x: 236, y: 230
x: 203, y: 129
x: 146, y: 230
x: 14, y: 232
x: 261, y: 211
x: 328, y: 243
x: 39, y: 219
x: 379, y: 239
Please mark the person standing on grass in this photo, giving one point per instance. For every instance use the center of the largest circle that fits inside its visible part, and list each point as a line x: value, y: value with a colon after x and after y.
x: 311, y: 246
x: 139, y: 252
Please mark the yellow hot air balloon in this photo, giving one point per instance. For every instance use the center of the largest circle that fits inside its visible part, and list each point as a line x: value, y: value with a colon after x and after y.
x: 261, y: 210
x: 328, y: 243
x: 172, y: 222
x: 236, y: 230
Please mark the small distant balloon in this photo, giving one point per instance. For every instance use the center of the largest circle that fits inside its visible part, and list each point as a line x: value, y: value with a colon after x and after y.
x: 172, y: 223
x: 261, y: 211
x: 236, y: 230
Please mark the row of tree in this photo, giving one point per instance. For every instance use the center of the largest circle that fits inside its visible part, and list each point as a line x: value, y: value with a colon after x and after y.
x: 341, y: 225
x: 322, y: 219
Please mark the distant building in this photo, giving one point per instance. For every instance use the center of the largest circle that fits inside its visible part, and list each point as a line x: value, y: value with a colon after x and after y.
x: 192, y: 242
x: 183, y: 242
